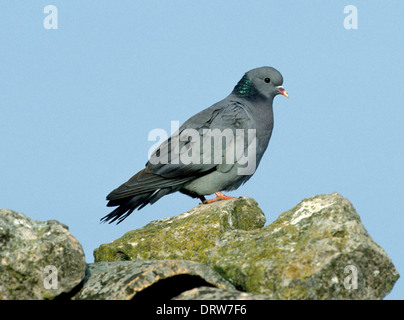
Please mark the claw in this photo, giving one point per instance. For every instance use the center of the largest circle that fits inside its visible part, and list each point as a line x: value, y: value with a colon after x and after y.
x: 219, y: 196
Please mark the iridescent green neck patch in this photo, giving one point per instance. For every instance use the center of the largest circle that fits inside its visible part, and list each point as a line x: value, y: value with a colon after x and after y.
x: 245, y: 88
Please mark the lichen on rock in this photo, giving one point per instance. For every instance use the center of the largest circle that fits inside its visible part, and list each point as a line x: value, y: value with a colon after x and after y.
x: 27, y: 248
x: 304, y: 255
x: 186, y: 236
x: 317, y: 250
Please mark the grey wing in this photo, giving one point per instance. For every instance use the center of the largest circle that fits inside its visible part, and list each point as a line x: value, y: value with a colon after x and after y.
x: 214, y: 139
x: 187, y: 154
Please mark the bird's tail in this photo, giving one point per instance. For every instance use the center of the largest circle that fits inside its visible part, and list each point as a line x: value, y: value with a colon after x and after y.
x: 128, y: 205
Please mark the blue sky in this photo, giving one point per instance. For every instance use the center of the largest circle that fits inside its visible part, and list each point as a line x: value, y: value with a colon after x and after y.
x: 77, y: 104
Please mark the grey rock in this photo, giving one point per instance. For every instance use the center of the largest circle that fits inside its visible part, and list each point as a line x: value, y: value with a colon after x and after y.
x: 147, y: 279
x: 27, y: 247
x: 209, y: 293
x: 317, y: 250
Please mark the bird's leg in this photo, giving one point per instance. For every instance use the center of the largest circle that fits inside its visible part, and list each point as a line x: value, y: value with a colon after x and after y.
x: 219, y: 196
x: 203, y: 199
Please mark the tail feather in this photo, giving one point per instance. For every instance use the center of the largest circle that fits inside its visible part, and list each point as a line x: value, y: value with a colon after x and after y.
x: 128, y: 205
x: 142, y: 189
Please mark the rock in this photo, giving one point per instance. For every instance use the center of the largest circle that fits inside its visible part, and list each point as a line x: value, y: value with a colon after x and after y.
x: 317, y: 250
x: 186, y: 236
x: 30, y: 251
x: 209, y: 293
x: 147, y: 280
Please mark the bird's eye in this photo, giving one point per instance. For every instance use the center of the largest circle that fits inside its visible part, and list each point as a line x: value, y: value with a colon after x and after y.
x: 267, y: 80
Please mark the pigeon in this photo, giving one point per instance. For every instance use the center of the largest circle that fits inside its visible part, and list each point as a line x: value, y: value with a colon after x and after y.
x: 216, y: 150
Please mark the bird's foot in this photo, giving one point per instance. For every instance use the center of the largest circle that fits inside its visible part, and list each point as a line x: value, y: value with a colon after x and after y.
x: 219, y: 196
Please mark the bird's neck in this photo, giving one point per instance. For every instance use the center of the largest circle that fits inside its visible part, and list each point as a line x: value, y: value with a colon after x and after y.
x: 245, y: 88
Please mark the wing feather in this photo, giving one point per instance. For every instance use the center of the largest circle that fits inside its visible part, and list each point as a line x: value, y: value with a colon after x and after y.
x: 185, y: 155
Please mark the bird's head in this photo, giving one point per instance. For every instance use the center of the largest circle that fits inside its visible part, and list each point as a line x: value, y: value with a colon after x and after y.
x: 265, y: 82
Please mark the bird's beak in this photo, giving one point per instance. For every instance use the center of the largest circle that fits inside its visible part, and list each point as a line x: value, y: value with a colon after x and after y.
x: 283, y: 91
